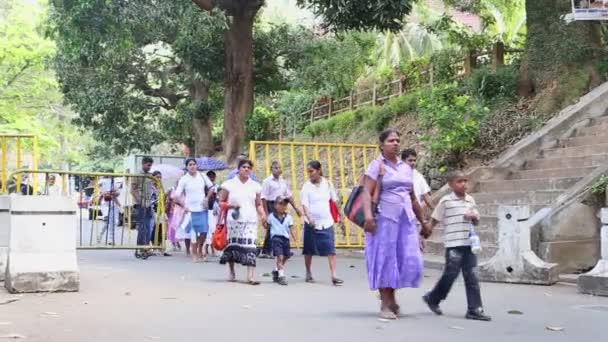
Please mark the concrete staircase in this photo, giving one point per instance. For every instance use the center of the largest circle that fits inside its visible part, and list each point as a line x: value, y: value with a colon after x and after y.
x: 538, y: 182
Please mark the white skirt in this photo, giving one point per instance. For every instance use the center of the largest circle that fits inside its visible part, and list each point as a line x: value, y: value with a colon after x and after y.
x: 181, y: 233
x: 212, y: 224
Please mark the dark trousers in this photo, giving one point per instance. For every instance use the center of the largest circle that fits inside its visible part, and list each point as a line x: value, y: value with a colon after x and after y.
x: 144, y: 223
x: 267, y: 247
x: 457, y: 259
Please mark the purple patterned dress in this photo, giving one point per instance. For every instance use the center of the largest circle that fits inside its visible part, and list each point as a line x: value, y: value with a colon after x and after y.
x: 392, y: 253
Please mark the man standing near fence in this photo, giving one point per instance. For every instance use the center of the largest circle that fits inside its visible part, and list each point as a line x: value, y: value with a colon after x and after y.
x: 142, y: 189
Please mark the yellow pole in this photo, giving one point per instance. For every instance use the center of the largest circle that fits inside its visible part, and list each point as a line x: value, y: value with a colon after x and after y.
x: 316, y: 152
x: 355, y: 176
x: 330, y: 169
x: 19, y: 153
x: 353, y: 164
x: 294, y: 189
x: 252, y: 153
x: 344, y: 196
x: 4, y: 170
x: 267, y: 157
x: 280, y: 156
x: 305, y: 162
x: 35, y: 162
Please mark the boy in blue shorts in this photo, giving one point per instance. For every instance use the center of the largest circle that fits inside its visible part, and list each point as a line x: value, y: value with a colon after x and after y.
x: 281, y: 228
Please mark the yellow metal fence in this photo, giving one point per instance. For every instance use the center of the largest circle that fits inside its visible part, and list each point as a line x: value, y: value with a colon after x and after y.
x: 343, y: 164
x: 17, y: 151
x: 106, y: 208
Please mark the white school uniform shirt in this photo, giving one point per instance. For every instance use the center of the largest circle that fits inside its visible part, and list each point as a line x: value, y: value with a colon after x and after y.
x: 421, y: 187
x: 194, y: 189
x: 316, y: 199
x: 273, y: 188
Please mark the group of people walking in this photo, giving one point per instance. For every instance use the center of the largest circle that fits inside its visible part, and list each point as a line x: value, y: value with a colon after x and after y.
x: 396, y: 197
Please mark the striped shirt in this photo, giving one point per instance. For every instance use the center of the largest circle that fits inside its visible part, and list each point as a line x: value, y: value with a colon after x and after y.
x: 450, y: 215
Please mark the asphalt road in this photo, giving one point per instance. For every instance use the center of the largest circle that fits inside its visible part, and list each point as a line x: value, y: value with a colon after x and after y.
x: 173, y: 299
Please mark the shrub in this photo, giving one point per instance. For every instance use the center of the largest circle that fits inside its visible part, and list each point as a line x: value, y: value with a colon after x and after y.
x: 490, y: 85
x: 452, y: 120
x: 262, y: 124
x: 445, y: 65
x: 407, y: 103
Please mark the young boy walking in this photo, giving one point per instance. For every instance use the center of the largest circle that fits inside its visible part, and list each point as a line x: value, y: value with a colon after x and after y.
x: 281, y: 227
x: 457, y: 214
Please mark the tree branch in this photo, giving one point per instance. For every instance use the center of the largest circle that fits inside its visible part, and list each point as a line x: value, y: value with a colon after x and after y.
x: 16, y: 75
x: 205, y: 5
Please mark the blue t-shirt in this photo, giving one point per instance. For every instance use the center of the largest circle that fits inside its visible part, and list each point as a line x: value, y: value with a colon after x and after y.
x: 280, y: 227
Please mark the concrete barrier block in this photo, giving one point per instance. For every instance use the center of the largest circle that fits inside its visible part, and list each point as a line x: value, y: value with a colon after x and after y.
x: 4, y: 233
x: 604, y: 216
x: 42, y: 247
x: 595, y: 282
x: 515, y: 262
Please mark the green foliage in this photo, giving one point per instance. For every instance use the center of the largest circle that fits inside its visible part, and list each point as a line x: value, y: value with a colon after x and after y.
x: 490, y: 85
x: 600, y: 186
x: 290, y: 105
x: 451, y: 118
x: 445, y: 67
x: 331, y: 66
x: 30, y: 101
x: 262, y: 124
x: 459, y: 35
x: 361, y: 14
x: 374, y: 118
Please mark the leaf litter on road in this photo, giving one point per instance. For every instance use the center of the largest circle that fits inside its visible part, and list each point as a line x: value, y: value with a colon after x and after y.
x: 515, y: 312
x: 8, y: 300
x: 11, y: 336
x: 553, y: 328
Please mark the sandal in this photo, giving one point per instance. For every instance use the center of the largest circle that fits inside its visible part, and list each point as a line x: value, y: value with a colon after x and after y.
x: 337, y: 281
x: 253, y: 282
x: 310, y: 279
x: 387, y: 314
x: 395, y: 309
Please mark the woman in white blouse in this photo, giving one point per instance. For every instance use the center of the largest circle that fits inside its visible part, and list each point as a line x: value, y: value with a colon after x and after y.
x: 319, y: 239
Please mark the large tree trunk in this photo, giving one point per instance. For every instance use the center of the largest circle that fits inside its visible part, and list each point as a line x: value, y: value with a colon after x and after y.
x: 201, y: 122
x: 555, y: 49
x: 238, y: 95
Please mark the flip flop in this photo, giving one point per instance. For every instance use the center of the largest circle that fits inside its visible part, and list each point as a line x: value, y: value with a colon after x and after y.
x: 253, y: 282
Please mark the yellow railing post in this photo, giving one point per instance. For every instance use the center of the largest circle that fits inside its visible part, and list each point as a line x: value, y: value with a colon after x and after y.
x: 4, y: 165
x: 34, y: 162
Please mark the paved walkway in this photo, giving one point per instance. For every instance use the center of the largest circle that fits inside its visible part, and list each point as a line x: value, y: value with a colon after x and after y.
x: 172, y: 299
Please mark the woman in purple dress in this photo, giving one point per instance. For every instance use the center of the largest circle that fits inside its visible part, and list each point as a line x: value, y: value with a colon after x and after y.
x: 392, y: 249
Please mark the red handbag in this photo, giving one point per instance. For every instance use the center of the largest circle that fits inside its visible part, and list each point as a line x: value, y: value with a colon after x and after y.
x: 219, y: 239
x: 335, y: 213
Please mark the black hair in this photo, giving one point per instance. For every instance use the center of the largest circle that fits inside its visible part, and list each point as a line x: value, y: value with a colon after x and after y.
x: 408, y: 152
x: 245, y: 161
x: 455, y: 174
x: 211, y: 173
x: 386, y: 133
x: 275, y: 163
x: 146, y: 160
x: 188, y: 160
x: 315, y: 164
x: 157, y: 173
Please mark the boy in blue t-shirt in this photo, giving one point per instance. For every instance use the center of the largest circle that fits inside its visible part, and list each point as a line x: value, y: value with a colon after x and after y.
x: 280, y: 224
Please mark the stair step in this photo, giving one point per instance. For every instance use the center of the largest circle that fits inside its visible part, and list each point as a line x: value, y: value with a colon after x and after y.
x: 528, y: 184
x: 571, y: 162
x: 486, y: 236
x: 592, y: 130
x: 575, y: 151
x: 492, y: 209
x: 517, y: 197
x: 550, y: 173
x: 586, y: 140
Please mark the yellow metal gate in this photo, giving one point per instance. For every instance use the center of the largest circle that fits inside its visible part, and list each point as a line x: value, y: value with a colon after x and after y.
x: 343, y: 164
x: 17, y: 151
x: 106, y: 208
